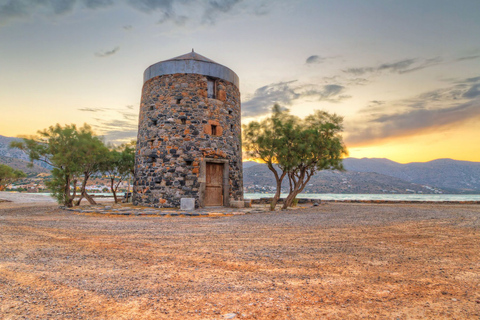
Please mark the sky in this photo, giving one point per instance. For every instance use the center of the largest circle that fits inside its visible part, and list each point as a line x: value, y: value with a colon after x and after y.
x: 404, y: 74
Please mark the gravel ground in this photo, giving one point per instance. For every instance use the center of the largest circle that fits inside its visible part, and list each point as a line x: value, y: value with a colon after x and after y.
x: 335, y: 261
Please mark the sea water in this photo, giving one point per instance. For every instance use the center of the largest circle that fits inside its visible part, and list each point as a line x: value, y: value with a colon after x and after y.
x: 340, y: 197
x: 391, y: 197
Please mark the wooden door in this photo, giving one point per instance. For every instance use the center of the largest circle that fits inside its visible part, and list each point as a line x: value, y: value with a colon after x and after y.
x: 214, y: 185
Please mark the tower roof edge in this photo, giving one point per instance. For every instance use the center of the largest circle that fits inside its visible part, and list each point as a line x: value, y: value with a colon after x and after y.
x: 194, y: 63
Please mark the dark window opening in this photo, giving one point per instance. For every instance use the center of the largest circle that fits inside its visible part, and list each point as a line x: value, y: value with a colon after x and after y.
x: 188, y: 162
x: 214, y: 130
x: 151, y: 108
x: 230, y: 111
x: 179, y: 100
x: 184, y: 121
x: 231, y: 127
x: 154, y: 122
x: 211, y: 88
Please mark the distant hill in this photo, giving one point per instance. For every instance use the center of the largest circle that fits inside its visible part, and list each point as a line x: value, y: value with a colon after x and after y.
x: 6, y: 151
x: 448, y: 174
x: 248, y: 164
x: 258, y: 178
x: 13, y: 153
x: 23, y: 166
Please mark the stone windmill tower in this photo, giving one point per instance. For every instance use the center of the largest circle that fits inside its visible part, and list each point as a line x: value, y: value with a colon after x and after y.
x: 189, y: 138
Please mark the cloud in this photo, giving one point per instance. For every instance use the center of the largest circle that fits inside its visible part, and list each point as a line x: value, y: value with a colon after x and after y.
x: 14, y: 9
x: 120, y: 136
x: 118, y: 130
x: 116, y: 125
x: 286, y: 93
x: 473, y: 92
x: 170, y: 16
x: 402, y: 66
x: 430, y: 111
x: 92, y: 109
x: 148, y: 5
x: 108, y: 53
x: 424, y: 64
x: 471, y: 80
x: 94, y: 4
x: 176, y: 11
x: 265, y: 97
x: 468, y: 58
x: 314, y: 59
x: 215, y: 7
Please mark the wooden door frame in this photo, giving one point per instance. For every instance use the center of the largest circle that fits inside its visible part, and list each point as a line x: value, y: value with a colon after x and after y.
x: 203, y: 181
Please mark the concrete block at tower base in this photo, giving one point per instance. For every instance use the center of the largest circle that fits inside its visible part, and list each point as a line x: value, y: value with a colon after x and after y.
x: 187, y: 204
x: 237, y: 204
x: 247, y: 203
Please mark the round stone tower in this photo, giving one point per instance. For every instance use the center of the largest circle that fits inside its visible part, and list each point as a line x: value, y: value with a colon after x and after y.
x: 189, y: 139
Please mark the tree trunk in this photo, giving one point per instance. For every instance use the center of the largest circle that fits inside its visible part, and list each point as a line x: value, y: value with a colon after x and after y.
x: 83, y: 190
x: 291, y: 196
x: 67, y: 200
x: 279, y: 180
x: 89, y: 198
x: 114, y: 191
x: 299, y: 185
x: 276, y: 197
x: 74, y: 191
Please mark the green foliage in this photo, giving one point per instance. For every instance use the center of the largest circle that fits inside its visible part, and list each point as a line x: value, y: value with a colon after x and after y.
x: 298, y: 147
x: 72, y: 152
x: 8, y: 175
x: 91, y: 152
x: 118, y: 165
x: 267, y: 141
x: 57, y: 185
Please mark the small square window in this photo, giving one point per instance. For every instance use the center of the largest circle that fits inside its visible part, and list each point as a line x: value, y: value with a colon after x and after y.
x: 230, y: 111
x: 151, y: 108
x: 231, y: 127
x: 214, y: 130
x: 184, y: 121
x: 154, y: 122
x: 188, y: 162
x: 179, y: 100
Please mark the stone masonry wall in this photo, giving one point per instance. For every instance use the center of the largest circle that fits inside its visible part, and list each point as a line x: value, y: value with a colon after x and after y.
x: 175, y: 136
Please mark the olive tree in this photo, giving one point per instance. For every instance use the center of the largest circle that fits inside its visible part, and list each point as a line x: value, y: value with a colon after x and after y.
x: 118, y: 165
x: 315, y: 144
x: 72, y: 152
x: 295, y: 148
x: 266, y: 141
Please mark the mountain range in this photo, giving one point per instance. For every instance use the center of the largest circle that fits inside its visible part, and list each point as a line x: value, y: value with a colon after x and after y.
x: 18, y: 159
x: 373, y: 175
x: 366, y: 175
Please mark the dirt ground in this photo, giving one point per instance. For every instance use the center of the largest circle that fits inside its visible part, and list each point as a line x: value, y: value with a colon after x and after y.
x: 334, y: 261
